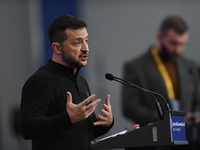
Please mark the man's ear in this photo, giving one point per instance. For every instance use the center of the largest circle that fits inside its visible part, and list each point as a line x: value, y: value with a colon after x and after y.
x: 159, y: 36
x: 56, y: 48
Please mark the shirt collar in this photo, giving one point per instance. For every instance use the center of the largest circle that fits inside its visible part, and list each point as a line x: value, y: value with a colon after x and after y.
x: 63, y: 68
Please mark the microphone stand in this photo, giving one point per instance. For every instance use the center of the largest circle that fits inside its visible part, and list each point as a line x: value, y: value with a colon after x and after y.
x: 160, y: 113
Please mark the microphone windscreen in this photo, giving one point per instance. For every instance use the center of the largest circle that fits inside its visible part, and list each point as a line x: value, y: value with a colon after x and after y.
x: 109, y: 76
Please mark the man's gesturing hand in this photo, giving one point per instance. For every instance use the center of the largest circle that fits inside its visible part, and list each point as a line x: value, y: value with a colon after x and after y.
x: 79, y: 112
x: 107, y: 118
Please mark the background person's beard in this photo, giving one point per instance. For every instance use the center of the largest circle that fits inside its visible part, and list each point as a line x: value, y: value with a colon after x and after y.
x: 165, y: 53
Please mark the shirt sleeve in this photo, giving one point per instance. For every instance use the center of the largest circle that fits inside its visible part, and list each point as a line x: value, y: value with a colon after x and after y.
x: 36, y: 99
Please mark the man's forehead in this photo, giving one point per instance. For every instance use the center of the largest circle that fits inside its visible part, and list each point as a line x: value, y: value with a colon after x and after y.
x: 77, y: 33
x: 173, y: 32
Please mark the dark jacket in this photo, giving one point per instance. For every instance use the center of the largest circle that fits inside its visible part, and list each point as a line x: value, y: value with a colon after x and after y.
x: 43, y: 114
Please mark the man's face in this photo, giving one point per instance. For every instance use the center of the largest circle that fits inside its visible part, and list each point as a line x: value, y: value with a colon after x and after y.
x: 172, y: 43
x: 74, y: 51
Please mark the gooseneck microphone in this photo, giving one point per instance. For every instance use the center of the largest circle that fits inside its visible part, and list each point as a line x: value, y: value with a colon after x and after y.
x: 160, y: 113
x: 111, y: 77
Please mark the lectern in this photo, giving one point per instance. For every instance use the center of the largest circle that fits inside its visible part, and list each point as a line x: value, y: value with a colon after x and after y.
x: 166, y: 132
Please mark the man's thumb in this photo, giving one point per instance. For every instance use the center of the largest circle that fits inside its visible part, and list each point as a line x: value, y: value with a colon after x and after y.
x: 69, y: 97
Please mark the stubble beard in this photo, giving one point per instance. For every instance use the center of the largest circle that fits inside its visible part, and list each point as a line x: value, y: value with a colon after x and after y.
x: 165, y: 53
x: 70, y: 61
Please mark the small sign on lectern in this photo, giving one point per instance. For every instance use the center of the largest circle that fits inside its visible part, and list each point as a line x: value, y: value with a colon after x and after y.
x: 177, y: 126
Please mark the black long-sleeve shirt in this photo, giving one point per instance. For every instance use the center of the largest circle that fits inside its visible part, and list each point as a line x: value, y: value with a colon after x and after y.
x: 43, y: 114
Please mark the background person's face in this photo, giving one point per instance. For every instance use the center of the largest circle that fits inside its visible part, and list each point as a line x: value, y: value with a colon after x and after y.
x: 172, y: 43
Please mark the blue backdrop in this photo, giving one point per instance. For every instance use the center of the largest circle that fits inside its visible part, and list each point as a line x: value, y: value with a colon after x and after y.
x: 52, y: 9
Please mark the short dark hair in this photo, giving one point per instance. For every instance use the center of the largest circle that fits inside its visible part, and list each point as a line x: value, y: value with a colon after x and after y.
x: 174, y: 22
x: 58, y: 27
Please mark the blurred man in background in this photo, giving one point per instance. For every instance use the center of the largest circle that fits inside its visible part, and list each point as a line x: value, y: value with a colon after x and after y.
x: 163, y: 69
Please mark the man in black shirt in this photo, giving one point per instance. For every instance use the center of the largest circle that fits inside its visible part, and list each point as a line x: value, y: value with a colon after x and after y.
x: 57, y: 112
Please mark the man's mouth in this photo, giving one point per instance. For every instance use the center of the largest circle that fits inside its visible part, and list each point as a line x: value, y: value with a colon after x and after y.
x: 84, y: 57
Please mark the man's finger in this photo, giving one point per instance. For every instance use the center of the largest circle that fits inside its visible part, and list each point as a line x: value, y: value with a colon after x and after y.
x: 87, y: 100
x: 108, y: 100
x: 69, y: 97
x: 94, y: 104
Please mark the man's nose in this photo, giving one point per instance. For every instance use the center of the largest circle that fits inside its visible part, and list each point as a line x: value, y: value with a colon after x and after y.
x: 85, y: 47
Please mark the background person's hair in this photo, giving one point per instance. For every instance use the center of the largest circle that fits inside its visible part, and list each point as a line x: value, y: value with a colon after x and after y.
x: 58, y: 27
x: 174, y: 22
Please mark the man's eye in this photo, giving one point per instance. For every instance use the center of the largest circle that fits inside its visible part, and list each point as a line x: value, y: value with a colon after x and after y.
x: 77, y: 43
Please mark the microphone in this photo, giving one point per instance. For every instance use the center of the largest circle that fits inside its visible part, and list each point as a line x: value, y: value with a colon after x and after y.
x: 111, y: 77
x: 160, y: 113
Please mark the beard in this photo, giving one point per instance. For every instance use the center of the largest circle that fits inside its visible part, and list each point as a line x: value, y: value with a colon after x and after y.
x: 165, y: 53
x: 70, y: 60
